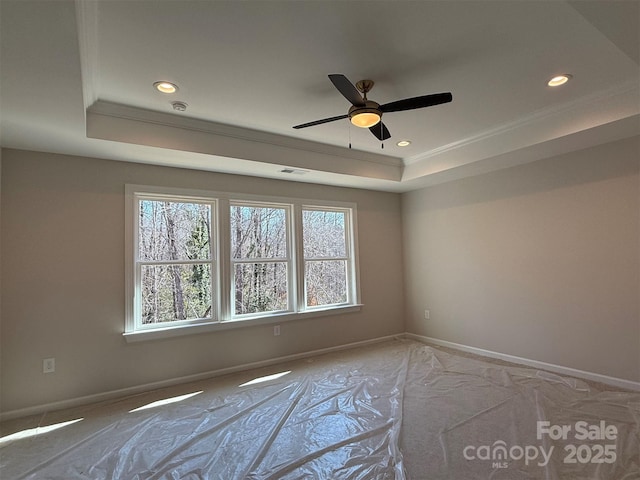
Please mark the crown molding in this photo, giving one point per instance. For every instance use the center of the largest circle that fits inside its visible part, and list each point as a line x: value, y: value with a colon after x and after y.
x: 87, y: 20
x: 625, y: 97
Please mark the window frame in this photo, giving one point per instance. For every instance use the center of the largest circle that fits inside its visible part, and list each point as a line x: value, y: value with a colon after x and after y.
x: 288, y: 259
x: 222, y: 316
x: 134, y: 264
x: 348, y: 258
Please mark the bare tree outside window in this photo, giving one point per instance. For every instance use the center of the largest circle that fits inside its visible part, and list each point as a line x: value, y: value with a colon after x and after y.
x: 259, y: 253
x: 196, y: 257
x: 175, y: 257
x: 326, y: 257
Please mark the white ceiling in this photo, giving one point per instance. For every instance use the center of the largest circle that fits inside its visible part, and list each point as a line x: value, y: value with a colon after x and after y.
x: 77, y: 77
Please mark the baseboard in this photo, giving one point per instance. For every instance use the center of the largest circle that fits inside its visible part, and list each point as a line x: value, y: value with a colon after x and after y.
x: 572, y: 372
x: 113, y: 394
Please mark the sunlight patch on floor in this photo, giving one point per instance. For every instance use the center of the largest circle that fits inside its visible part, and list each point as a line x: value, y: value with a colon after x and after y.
x: 165, y: 401
x: 266, y: 378
x: 32, y: 432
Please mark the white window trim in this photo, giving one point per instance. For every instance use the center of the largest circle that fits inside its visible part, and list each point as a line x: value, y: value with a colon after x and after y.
x: 132, y: 267
x: 223, y: 318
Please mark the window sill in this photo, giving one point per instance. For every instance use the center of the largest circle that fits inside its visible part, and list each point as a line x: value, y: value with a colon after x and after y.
x: 182, y: 330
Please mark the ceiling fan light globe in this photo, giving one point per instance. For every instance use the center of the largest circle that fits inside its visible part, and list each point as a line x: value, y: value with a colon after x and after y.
x: 365, y: 119
x: 365, y: 116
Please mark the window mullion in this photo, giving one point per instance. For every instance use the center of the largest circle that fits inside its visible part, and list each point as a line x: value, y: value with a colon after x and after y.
x: 174, y: 262
x: 226, y: 280
x: 321, y: 259
x: 261, y: 260
x: 214, y: 244
x: 299, y: 260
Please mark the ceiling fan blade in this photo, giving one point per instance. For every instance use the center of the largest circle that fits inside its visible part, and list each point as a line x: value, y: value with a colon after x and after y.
x: 347, y: 89
x: 320, y: 122
x: 380, y: 131
x: 417, y: 102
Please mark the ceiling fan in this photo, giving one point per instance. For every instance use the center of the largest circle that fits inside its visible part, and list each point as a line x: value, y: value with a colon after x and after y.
x: 366, y: 113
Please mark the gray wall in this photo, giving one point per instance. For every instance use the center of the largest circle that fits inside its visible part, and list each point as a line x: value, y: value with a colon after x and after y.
x: 63, y: 280
x: 539, y: 261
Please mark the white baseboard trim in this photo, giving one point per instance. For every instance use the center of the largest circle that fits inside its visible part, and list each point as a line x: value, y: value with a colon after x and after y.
x: 596, y: 377
x: 124, y: 392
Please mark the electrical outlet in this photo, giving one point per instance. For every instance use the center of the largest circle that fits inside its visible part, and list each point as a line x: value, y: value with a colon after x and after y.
x: 48, y: 365
x: 276, y: 330
x: 427, y: 314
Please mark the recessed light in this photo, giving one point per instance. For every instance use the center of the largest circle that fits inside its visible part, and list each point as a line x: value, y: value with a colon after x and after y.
x: 559, y: 80
x: 166, y: 87
x: 403, y: 143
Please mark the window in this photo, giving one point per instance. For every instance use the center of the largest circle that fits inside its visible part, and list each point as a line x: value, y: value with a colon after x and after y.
x: 326, y: 256
x: 260, y: 258
x: 199, y: 261
x: 174, y: 261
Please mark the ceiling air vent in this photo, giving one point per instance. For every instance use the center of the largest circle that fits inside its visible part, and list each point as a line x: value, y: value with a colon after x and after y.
x: 294, y: 171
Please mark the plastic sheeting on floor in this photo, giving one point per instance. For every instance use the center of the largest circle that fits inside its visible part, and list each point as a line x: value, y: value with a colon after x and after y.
x: 398, y: 410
